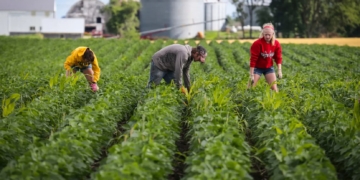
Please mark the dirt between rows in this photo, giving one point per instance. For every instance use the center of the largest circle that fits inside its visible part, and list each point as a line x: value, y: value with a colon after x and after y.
x: 354, y: 42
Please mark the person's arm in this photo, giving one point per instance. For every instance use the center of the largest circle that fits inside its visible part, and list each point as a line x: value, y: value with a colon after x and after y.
x: 254, y: 56
x: 278, y: 59
x: 279, y: 71
x: 186, y: 73
x: 278, y: 55
x: 69, y: 62
x: 96, y: 69
x: 252, y: 73
x: 178, y: 73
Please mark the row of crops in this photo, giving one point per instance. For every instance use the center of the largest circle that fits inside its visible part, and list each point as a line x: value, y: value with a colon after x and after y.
x: 52, y: 127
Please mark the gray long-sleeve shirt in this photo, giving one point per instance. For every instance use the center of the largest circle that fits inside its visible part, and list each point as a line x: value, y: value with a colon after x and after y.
x: 175, y: 58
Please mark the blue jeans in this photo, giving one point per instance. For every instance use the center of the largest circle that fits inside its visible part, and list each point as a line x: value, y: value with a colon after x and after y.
x: 156, y: 75
x: 264, y: 71
x: 81, y: 69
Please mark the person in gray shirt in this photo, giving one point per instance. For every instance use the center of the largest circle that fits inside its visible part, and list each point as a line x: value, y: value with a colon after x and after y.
x: 173, y: 62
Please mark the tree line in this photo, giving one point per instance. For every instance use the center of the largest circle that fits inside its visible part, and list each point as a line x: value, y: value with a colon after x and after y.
x: 304, y: 18
x: 124, y: 19
x: 291, y: 18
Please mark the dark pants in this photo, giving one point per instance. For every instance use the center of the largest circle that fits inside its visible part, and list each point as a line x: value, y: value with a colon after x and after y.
x: 156, y: 75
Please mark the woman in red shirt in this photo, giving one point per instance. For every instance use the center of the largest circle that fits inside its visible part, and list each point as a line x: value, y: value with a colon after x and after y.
x: 263, y: 51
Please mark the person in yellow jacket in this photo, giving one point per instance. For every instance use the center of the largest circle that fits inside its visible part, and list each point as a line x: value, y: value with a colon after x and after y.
x: 83, y: 59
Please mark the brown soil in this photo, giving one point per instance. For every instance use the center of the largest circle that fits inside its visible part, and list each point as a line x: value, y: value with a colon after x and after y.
x: 355, y: 42
x: 183, y: 148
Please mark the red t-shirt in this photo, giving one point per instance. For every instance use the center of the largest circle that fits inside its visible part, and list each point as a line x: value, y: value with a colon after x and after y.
x: 263, y: 53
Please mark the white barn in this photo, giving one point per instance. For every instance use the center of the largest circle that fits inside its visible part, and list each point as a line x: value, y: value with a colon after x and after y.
x: 24, y: 17
x: 19, y: 17
x: 63, y: 28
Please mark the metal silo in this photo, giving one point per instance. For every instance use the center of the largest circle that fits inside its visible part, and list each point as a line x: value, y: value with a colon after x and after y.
x: 176, y: 19
x: 215, y: 14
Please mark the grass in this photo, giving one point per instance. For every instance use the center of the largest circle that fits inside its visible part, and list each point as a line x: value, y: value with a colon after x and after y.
x: 31, y: 36
x: 216, y: 35
x: 355, y: 42
x: 231, y: 37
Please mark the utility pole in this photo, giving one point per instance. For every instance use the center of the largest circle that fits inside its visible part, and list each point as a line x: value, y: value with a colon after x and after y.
x: 219, y: 18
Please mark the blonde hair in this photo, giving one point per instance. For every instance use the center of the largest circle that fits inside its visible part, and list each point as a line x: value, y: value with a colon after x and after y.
x: 268, y: 26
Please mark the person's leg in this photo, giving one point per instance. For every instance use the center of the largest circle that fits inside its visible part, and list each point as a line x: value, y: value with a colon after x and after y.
x: 270, y: 77
x: 156, y: 75
x: 256, y: 79
x: 169, y: 76
x: 88, y: 73
x: 257, y: 75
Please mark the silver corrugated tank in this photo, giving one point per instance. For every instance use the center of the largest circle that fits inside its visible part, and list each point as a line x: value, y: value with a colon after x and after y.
x: 214, y: 11
x: 157, y: 14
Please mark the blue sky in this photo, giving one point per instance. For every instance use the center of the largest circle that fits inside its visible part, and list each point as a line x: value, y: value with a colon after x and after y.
x: 63, y: 6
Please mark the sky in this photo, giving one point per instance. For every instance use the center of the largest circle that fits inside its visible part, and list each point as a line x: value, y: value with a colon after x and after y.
x: 63, y: 6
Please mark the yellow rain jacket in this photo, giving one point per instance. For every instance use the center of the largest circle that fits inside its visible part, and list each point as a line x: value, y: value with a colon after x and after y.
x: 76, y: 60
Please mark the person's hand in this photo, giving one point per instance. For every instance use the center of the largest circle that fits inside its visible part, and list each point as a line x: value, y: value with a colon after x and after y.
x: 94, y: 87
x: 183, y: 90
x: 252, y: 78
x: 280, y: 74
x: 68, y: 73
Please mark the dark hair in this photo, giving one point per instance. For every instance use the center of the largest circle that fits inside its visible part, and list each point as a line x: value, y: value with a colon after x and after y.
x: 201, y: 50
x: 88, y: 55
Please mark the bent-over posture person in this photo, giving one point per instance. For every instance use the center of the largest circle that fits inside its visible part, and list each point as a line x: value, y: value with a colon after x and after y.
x: 173, y: 62
x: 83, y: 59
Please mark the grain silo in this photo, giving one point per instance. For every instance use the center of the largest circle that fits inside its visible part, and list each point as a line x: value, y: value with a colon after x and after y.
x: 215, y: 14
x: 175, y: 19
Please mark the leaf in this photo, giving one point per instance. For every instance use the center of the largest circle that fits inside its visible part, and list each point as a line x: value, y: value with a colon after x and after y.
x: 283, y: 151
x: 261, y: 150
x: 278, y: 131
x: 8, y: 105
x: 277, y: 104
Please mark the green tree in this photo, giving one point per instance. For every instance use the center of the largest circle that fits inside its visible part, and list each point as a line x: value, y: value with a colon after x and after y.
x: 285, y: 16
x: 123, y: 20
x: 251, y: 5
x: 241, y: 15
x: 312, y: 18
x: 344, y: 17
x: 229, y: 21
x: 264, y: 15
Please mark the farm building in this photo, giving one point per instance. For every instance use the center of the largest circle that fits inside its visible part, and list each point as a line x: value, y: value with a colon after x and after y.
x: 215, y: 14
x: 63, y: 28
x: 19, y: 17
x: 163, y: 18
x: 24, y: 17
x: 90, y: 10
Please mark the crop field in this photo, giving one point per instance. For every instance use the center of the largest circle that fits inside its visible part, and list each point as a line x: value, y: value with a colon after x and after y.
x: 53, y: 127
